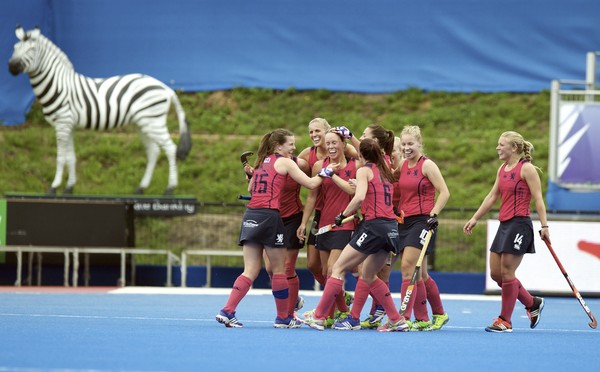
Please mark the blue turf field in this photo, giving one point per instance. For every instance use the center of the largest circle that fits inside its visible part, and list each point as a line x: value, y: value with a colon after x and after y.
x: 175, y: 330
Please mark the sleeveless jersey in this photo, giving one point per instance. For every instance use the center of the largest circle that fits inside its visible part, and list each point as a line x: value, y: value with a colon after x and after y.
x: 312, y: 156
x: 378, y: 201
x: 312, y: 159
x: 514, y: 193
x: 335, y: 200
x: 396, y: 196
x: 267, y: 185
x: 289, y: 201
x: 417, y: 194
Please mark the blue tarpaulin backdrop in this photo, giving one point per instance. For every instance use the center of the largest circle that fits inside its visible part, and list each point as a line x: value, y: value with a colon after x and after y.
x: 341, y: 45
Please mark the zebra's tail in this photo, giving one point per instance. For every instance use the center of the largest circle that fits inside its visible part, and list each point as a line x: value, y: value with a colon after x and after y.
x: 185, y: 139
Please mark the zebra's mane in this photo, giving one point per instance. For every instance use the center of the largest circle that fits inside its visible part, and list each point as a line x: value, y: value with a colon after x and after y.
x: 54, y: 50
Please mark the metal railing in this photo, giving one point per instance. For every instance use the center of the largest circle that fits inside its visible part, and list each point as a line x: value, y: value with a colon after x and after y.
x: 208, y: 253
x: 75, y: 252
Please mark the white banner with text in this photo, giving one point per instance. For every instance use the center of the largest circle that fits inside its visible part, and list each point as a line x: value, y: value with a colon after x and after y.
x: 577, y: 245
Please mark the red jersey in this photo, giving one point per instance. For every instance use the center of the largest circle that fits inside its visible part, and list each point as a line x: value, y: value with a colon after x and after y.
x: 289, y: 201
x: 378, y: 201
x: 515, y: 195
x: 335, y: 200
x: 417, y: 193
x: 312, y: 159
x: 267, y: 185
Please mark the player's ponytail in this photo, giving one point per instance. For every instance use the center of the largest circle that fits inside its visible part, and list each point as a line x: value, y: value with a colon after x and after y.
x: 269, y: 142
x: 371, y: 152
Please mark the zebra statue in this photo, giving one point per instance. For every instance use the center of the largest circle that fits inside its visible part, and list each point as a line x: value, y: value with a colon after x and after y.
x: 71, y: 100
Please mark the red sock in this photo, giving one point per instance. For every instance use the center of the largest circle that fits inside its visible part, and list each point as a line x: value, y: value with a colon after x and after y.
x: 374, y: 304
x: 433, y: 296
x: 281, y: 291
x: 524, y: 296
x: 294, y: 285
x: 411, y: 302
x: 361, y: 293
x: 320, y: 278
x: 420, y: 306
x: 381, y: 292
x: 241, y: 286
x: 340, y: 302
x: 510, y: 291
x: 333, y: 287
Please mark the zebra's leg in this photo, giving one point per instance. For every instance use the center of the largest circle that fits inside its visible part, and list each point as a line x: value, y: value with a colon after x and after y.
x: 171, y: 152
x: 157, y: 132
x: 71, y: 165
x: 63, y: 133
x: 152, y: 153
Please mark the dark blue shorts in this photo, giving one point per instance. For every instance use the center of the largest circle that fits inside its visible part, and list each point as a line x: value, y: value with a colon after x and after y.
x: 375, y: 235
x: 334, y: 240
x: 264, y: 227
x: 514, y: 236
x: 413, y: 231
x: 291, y: 224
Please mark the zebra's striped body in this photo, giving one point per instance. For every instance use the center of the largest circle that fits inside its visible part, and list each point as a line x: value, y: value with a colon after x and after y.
x: 71, y: 100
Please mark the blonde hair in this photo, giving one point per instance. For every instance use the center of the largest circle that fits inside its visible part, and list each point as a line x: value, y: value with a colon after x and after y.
x: 413, y: 130
x: 324, y: 123
x: 523, y: 147
x: 398, y: 140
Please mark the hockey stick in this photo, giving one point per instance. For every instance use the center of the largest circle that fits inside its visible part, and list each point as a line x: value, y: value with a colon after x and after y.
x: 413, y: 280
x: 594, y: 322
x: 244, y: 159
x: 327, y: 228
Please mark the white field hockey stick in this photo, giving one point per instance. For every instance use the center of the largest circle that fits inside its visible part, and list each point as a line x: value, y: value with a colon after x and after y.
x: 413, y: 280
x: 594, y: 322
x: 327, y: 228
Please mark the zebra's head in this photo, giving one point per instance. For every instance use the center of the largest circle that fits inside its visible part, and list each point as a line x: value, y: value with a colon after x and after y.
x: 25, y: 52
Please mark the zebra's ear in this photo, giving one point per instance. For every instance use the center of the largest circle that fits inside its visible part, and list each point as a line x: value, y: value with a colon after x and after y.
x: 34, y: 33
x: 20, y: 32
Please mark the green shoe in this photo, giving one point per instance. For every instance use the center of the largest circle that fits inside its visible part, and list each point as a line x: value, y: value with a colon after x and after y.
x: 420, y: 326
x: 349, y: 297
x: 308, y: 313
x: 370, y: 323
x: 329, y: 322
x: 439, y: 321
x: 312, y: 322
x: 339, y: 316
x: 399, y: 326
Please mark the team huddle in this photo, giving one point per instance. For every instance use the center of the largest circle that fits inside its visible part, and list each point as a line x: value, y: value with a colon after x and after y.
x: 372, y: 200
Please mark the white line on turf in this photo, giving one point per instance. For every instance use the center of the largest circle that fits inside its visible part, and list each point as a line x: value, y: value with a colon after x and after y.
x: 258, y: 292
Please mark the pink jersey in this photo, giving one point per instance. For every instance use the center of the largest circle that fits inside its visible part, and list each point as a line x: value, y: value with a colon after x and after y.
x: 515, y: 195
x: 378, y: 201
x: 396, y: 196
x: 312, y: 159
x: 417, y: 193
x: 335, y: 200
x: 267, y: 185
x: 312, y: 156
x: 289, y: 201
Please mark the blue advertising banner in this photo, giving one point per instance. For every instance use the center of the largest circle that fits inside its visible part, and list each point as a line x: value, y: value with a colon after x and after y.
x: 578, y: 149
x: 377, y: 46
